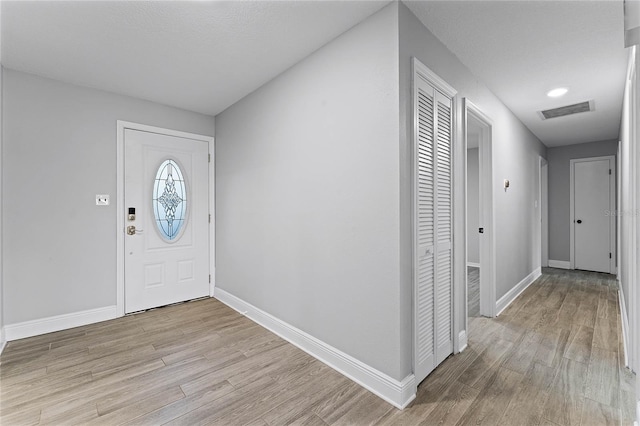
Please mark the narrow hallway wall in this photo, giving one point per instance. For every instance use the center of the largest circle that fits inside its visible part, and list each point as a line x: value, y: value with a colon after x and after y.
x: 559, y: 191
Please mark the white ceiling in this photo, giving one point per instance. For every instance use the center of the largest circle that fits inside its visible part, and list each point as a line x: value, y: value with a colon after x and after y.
x: 198, y: 55
x: 204, y: 56
x: 522, y: 49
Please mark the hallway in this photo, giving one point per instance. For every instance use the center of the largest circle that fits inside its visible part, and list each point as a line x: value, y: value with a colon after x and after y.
x: 554, y: 357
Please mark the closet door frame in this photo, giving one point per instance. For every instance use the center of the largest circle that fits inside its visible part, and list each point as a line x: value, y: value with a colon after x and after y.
x: 420, y: 71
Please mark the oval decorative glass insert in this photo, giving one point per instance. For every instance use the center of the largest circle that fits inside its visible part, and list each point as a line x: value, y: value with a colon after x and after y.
x: 169, y: 199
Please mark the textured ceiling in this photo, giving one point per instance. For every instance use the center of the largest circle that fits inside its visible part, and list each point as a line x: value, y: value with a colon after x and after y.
x: 206, y: 55
x: 522, y: 49
x: 200, y: 56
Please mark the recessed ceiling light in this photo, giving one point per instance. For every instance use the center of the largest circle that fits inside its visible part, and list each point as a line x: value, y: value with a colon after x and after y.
x: 556, y: 93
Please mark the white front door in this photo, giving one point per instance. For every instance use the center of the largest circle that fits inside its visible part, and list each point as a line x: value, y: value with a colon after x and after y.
x: 592, y: 215
x: 166, y: 219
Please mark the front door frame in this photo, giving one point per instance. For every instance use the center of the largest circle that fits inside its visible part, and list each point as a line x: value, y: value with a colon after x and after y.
x: 612, y: 209
x: 120, y: 206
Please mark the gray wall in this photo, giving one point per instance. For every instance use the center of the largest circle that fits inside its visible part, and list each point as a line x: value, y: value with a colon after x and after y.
x: 515, y: 157
x: 473, y: 206
x: 2, y: 337
x: 59, y: 152
x: 314, y: 191
x: 307, y: 220
x: 559, y: 191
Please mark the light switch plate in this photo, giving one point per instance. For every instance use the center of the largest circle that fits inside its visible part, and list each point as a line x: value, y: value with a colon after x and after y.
x: 102, y: 199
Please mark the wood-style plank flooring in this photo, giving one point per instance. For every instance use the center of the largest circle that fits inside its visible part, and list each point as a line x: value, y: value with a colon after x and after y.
x: 554, y: 357
x: 473, y: 291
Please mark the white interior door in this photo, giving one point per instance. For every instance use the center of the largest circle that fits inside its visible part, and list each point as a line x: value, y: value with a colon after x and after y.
x: 592, y: 196
x: 166, y: 219
x: 433, y: 281
x: 444, y: 230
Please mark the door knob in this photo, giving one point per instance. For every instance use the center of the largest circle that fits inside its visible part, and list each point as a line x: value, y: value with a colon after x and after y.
x: 579, y: 221
x: 131, y: 230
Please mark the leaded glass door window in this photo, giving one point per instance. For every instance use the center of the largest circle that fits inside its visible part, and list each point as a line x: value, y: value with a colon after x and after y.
x: 169, y: 200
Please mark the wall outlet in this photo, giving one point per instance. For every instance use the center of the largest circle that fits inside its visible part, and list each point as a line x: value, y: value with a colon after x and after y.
x: 102, y: 199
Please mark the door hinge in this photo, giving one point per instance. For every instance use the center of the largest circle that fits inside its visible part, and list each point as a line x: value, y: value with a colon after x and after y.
x: 609, y: 171
x: 209, y: 157
x: 209, y: 218
x: 609, y: 255
x: 209, y: 278
x: 481, y: 230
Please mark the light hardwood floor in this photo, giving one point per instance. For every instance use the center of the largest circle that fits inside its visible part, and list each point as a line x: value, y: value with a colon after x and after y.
x: 553, y: 357
x: 473, y: 291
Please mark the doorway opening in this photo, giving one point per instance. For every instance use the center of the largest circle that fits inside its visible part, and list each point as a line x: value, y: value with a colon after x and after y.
x: 480, y: 235
x: 474, y: 132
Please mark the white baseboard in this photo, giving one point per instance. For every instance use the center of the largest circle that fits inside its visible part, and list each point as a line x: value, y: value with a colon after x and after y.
x: 512, y: 294
x: 398, y: 393
x: 561, y: 264
x: 462, y: 338
x: 625, y: 326
x: 473, y: 264
x: 57, y: 323
x: 3, y: 339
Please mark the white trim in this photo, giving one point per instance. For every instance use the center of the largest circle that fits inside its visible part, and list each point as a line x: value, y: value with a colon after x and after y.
x: 59, y: 322
x: 625, y: 326
x: 459, y: 230
x: 612, y: 208
x: 462, y: 338
x: 512, y: 294
x: 433, y: 79
x: 473, y: 264
x: 560, y: 264
x: 120, y: 207
x: 397, y: 393
x: 487, y: 219
x: 543, y: 210
x: 618, y: 208
x: 3, y: 340
x: 212, y: 215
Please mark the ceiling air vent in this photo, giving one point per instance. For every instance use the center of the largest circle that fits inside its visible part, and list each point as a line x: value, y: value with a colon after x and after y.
x: 566, y: 110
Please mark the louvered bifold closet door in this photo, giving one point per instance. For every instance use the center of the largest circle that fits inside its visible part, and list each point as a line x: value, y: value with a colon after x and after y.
x: 444, y: 227
x: 425, y: 227
x: 433, y: 227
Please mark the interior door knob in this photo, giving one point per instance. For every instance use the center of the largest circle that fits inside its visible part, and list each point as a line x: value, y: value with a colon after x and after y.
x: 579, y: 221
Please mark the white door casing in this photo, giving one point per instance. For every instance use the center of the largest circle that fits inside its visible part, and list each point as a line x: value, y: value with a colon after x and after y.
x: 544, y: 211
x: 154, y: 270
x: 433, y: 221
x: 592, y: 214
x: 487, y: 238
